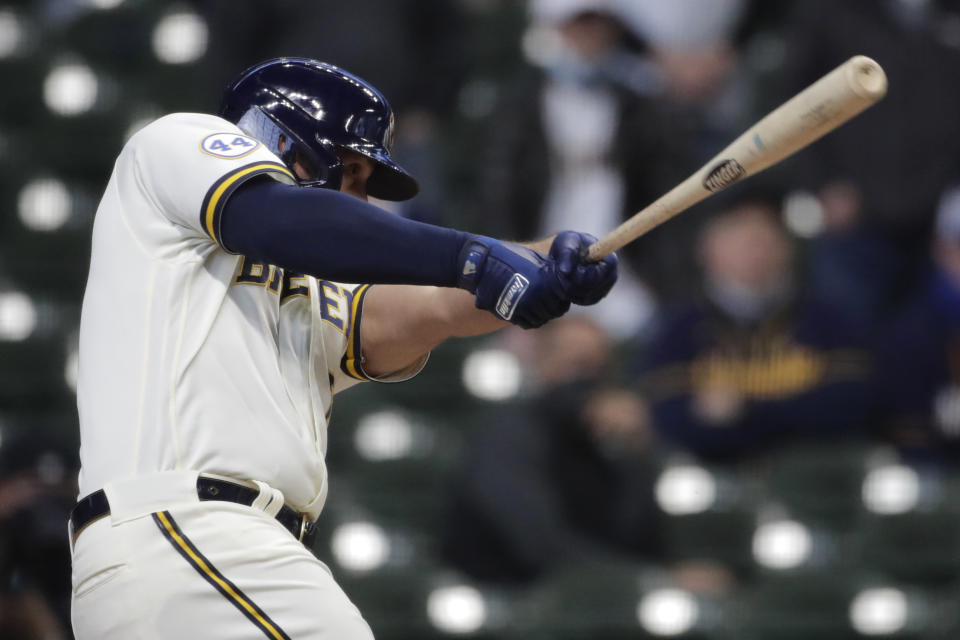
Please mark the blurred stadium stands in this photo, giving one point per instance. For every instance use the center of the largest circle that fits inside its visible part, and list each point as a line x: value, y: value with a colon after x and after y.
x: 828, y: 542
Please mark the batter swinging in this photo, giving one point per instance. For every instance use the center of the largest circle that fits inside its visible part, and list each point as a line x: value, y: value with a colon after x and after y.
x: 218, y: 323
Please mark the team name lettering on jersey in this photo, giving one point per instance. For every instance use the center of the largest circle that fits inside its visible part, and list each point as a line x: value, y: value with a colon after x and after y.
x: 260, y: 274
x: 287, y: 283
x: 294, y: 284
x: 336, y: 302
x: 335, y: 305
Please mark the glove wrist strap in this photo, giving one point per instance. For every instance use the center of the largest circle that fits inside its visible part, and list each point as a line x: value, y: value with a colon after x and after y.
x: 470, y: 263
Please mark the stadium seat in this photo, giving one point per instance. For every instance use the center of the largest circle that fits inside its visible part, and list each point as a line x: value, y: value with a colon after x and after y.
x: 612, y: 601
x: 410, y: 491
x: 32, y: 374
x: 599, y: 601
x: 429, y: 603
x: 21, y: 108
x: 797, y: 607
x: 818, y: 484
x: 54, y: 264
x: 721, y: 531
x: 917, y: 546
x: 721, y: 536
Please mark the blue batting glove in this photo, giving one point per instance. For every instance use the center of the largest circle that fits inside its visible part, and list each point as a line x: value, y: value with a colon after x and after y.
x: 584, y: 281
x: 514, y: 283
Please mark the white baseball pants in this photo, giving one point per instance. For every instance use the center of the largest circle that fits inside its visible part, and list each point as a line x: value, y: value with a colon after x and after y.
x: 164, y: 565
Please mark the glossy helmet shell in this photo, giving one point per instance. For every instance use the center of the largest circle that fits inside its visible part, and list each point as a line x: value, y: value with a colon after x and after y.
x: 319, y: 108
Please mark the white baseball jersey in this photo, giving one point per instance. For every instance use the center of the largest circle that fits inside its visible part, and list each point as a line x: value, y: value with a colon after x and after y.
x: 192, y: 357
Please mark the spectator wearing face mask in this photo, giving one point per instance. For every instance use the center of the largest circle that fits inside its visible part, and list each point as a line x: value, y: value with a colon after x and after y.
x: 755, y: 362
x: 575, y: 138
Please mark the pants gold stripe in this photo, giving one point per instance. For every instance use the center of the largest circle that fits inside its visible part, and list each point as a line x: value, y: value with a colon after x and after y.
x: 203, y: 566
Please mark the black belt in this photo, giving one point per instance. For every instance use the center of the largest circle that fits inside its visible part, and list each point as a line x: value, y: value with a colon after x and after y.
x: 95, y: 506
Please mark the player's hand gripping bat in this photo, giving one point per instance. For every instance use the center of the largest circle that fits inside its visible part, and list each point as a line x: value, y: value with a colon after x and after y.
x: 820, y: 108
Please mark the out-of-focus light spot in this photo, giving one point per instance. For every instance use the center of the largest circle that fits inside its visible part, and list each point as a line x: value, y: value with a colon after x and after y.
x: 44, y: 204
x: 11, y: 33
x: 492, y: 374
x: 891, y: 489
x: 668, y: 612
x: 879, y: 611
x: 685, y: 489
x: 384, y: 435
x: 783, y: 544
x: 70, y: 89
x: 105, y: 4
x: 18, y: 316
x: 180, y: 38
x: 803, y: 214
x: 70, y: 369
x: 457, y: 609
x: 360, y: 546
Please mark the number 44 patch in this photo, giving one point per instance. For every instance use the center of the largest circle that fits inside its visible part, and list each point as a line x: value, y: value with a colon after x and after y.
x: 228, y: 145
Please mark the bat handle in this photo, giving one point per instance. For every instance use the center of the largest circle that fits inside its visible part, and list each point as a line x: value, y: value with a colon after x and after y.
x: 600, y: 249
x: 594, y: 252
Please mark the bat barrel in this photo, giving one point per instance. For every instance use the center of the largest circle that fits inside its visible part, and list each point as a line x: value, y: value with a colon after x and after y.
x: 820, y: 108
x: 866, y: 78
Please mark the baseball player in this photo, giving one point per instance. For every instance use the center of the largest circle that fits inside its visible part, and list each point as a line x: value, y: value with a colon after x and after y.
x: 219, y: 322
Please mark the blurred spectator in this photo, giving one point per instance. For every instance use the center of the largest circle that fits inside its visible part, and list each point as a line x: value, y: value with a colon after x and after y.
x: 704, y: 93
x: 574, y: 141
x: 566, y: 476
x: 37, y: 490
x: 623, y: 99
x: 919, y: 365
x: 700, y: 79
x: 880, y: 176
x: 754, y: 362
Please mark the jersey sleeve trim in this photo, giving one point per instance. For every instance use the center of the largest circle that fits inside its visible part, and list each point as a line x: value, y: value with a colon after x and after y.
x: 352, y: 361
x: 219, y: 193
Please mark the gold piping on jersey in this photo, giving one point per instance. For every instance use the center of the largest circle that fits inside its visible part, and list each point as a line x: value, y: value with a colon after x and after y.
x: 226, y: 588
x: 218, y: 194
x: 351, y: 362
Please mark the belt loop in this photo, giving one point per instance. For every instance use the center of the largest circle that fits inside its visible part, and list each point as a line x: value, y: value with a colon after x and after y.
x: 270, y: 500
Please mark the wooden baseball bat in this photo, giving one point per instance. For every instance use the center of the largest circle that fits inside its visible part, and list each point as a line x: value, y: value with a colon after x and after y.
x: 820, y: 108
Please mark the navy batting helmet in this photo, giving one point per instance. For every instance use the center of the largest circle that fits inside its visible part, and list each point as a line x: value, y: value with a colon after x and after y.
x: 318, y: 108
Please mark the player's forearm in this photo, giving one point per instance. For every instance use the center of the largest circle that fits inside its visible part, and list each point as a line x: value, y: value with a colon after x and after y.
x: 402, y: 323
x: 334, y: 236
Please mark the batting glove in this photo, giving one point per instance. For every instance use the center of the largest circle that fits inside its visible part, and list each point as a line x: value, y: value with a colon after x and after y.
x: 584, y: 281
x: 514, y: 283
